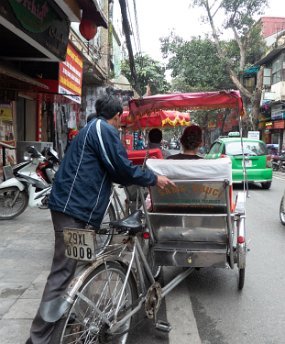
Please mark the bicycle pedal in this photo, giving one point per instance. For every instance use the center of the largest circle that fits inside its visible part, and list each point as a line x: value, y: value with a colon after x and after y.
x: 163, y: 326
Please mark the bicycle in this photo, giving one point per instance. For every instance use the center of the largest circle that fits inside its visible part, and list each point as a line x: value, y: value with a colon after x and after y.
x: 105, y: 297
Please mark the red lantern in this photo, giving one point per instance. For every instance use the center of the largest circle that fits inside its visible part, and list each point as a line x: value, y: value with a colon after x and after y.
x: 87, y: 28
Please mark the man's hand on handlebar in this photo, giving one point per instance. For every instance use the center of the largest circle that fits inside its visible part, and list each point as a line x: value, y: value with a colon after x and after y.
x: 162, y: 181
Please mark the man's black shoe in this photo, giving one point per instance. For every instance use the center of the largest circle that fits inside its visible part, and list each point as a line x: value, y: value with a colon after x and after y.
x: 29, y: 341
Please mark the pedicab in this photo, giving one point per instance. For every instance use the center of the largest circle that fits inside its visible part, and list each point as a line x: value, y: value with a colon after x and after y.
x: 196, y: 224
x: 199, y: 223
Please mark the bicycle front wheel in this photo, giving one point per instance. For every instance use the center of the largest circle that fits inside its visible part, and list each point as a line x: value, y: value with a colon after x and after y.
x: 98, y: 298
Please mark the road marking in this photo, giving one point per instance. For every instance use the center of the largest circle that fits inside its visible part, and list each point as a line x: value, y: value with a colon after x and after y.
x: 181, y: 317
x: 278, y: 178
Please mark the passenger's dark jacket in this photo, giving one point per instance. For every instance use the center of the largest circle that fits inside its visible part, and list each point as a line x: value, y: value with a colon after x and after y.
x: 95, y: 159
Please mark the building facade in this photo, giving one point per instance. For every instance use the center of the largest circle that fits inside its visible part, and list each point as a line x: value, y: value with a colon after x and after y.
x: 59, y: 57
x: 272, y: 117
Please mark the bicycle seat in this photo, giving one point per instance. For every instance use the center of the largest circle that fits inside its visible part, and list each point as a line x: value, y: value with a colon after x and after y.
x: 132, y: 223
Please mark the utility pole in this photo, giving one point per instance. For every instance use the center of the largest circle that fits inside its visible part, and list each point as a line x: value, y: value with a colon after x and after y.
x: 127, y: 32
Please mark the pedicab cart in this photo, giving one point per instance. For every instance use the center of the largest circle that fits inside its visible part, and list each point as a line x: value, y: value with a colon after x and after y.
x: 199, y: 223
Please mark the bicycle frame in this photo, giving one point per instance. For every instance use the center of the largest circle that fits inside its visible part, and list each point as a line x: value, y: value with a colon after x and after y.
x: 136, y: 255
x: 117, y: 204
x: 132, y: 249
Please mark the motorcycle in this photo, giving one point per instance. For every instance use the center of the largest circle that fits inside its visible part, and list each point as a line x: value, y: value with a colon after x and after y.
x: 28, y: 183
x: 278, y: 162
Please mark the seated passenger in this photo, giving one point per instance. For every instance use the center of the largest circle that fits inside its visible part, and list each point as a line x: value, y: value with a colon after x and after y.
x: 191, y: 140
x: 154, y: 141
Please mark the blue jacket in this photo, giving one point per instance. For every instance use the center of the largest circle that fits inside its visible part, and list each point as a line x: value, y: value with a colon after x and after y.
x: 95, y: 159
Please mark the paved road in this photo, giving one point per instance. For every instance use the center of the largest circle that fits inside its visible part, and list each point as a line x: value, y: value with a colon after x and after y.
x: 26, y: 248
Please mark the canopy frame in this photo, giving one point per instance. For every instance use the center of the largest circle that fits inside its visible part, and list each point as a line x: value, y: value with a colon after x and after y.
x: 189, y: 101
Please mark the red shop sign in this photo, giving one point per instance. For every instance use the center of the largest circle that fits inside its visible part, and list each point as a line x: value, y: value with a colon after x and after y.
x: 70, y: 75
x: 278, y: 125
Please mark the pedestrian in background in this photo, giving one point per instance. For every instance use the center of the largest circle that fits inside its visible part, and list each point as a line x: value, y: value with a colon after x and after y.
x: 80, y: 195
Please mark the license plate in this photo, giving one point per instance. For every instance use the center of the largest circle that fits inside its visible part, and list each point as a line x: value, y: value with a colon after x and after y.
x: 79, y: 243
x: 247, y: 163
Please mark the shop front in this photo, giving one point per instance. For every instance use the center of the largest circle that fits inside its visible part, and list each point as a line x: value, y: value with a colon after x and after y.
x: 60, y: 109
x: 267, y: 132
x: 29, y: 32
x: 278, y: 117
x: 273, y: 132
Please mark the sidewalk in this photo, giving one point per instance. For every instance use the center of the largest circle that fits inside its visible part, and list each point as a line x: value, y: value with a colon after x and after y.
x: 26, y: 249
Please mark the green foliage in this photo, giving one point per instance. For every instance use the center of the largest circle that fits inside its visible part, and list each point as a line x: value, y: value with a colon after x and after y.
x: 255, y: 46
x: 239, y: 16
x: 195, y: 64
x: 149, y: 72
x: 240, y: 13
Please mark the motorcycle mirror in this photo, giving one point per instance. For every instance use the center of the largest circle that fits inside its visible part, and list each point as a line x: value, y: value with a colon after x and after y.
x: 53, y: 152
x: 26, y: 156
x: 30, y: 149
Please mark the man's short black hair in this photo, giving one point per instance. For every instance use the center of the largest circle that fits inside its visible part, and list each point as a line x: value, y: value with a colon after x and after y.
x: 108, y: 105
x: 155, y: 135
x: 91, y: 116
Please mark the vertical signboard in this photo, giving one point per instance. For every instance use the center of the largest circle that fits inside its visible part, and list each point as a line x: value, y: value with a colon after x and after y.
x: 70, y: 75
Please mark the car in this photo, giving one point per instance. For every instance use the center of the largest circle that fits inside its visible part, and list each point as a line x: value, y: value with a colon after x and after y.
x: 257, y: 161
x: 174, y: 144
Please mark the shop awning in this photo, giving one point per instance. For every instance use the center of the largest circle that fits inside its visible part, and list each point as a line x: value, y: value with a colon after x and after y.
x: 93, y: 11
x: 15, y: 80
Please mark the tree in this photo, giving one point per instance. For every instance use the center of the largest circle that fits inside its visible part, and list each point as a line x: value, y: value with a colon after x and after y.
x: 150, y: 73
x: 238, y: 17
x: 195, y: 64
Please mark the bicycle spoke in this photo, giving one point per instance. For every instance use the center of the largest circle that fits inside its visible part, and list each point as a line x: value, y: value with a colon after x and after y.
x: 95, y: 306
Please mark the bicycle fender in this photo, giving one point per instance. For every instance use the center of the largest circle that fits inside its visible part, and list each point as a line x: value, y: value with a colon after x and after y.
x: 53, y: 310
x: 12, y: 182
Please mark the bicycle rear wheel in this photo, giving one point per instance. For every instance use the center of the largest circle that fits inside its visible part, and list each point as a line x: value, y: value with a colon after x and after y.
x: 83, y: 324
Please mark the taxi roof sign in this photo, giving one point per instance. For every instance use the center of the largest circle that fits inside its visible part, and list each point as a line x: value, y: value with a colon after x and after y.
x: 233, y: 134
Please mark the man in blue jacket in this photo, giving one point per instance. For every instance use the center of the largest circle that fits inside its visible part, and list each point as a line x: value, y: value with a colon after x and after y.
x: 80, y: 195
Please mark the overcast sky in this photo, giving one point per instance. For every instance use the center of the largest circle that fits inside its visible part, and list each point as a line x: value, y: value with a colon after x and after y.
x: 156, y: 18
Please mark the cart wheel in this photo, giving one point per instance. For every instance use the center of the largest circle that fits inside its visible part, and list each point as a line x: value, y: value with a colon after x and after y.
x: 241, y: 278
x: 281, y: 212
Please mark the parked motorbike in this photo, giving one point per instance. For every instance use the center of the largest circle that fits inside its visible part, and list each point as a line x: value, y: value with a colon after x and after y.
x: 28, y: 183
x: 278, y: 162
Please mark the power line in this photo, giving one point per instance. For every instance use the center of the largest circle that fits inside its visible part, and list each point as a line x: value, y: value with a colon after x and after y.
x: 126, y: 27
x: 137, y: 27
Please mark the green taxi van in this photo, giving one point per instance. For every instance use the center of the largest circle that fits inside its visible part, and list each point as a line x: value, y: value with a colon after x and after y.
x: 256, y: 160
